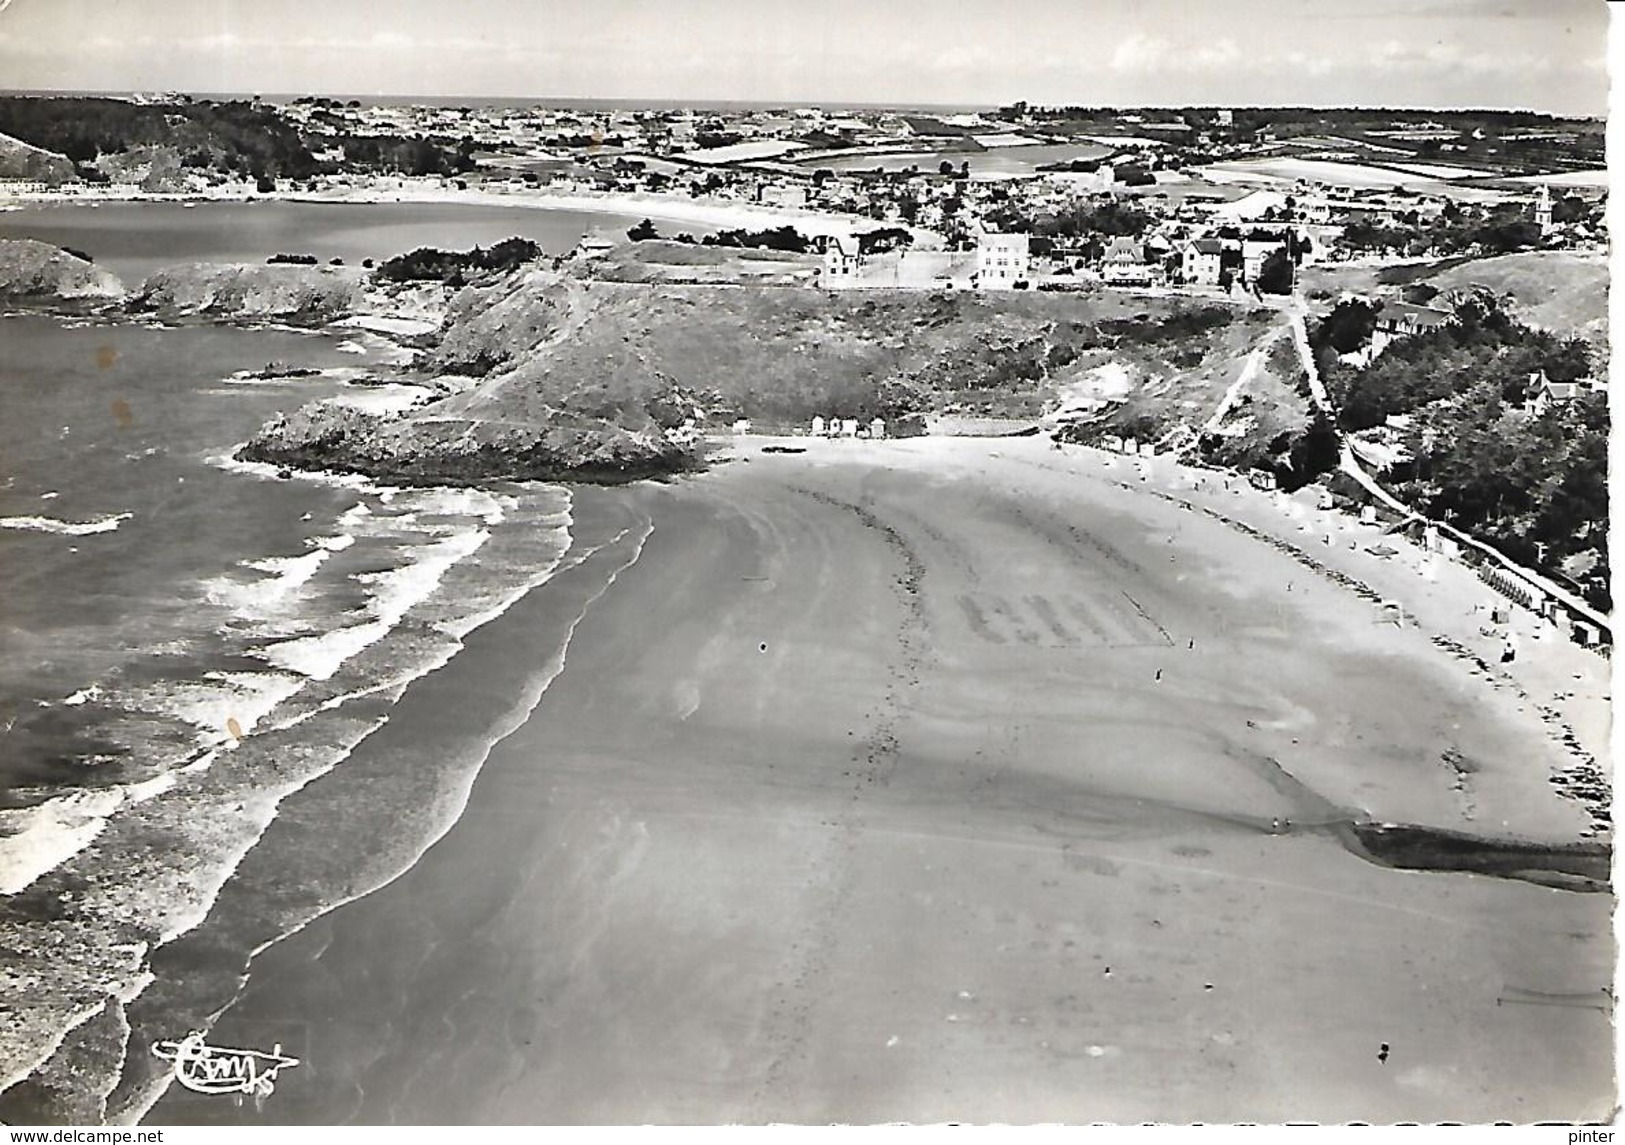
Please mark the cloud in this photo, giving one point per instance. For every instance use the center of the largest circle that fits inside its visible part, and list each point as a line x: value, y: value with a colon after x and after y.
x: 1443, y: 57
x: 1140, y: 53
x: 1310, y: 65
x: 1147, y: 54
x: 1211, y: 57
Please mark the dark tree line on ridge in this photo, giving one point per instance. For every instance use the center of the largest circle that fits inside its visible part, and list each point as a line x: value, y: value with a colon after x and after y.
x: 1534, y: 484
x: 234, y: 137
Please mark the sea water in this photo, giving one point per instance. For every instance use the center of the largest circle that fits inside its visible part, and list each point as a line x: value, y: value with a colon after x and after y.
x: 186, y: 640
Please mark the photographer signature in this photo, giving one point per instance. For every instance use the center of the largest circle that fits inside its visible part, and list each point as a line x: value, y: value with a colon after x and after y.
x: 203, y: 1068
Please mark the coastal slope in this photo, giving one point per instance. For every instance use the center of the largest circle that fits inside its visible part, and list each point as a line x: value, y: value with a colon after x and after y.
x: 35, y: 271
x: 23, y: 161
x: 551, y: 349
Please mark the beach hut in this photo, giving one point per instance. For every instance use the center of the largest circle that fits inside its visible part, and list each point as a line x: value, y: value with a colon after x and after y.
x: 877, y: 428
x: 849, y: 427
x: 818, y: 427
x: 741, y: 427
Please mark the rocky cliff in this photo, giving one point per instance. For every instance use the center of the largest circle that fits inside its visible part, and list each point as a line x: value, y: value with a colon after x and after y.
x: 434, y: 446
x: 584, y: 378
x: 39, y: 272
x: 300, y: 295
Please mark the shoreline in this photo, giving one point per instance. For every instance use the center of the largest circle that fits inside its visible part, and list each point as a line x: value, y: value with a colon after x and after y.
x: 858, y: 800
x: 714, y: 213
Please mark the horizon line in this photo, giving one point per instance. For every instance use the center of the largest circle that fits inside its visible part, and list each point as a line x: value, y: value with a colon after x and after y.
x: 700, y: 102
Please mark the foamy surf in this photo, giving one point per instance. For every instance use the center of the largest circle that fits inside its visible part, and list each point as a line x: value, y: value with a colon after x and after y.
x: 393, y: 397
x: 229, y: 462
x: 457, y: 785
x: 211, y: 758
x: 34, y: 840
x: 66, y: 528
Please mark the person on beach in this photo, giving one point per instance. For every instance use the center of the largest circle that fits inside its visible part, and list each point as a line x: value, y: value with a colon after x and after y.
x: 1509, y: 647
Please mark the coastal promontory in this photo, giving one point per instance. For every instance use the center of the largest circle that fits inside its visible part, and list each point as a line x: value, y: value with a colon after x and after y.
x: 33, y: 271
x: 629, y: 367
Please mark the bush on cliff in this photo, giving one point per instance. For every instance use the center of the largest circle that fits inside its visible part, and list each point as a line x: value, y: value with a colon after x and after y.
x: 427, y: 264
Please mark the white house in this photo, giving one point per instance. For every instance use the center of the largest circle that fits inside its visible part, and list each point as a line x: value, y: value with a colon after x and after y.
x: 1001, y: 260
x: 1255, y: 251
x: 1200, y: 261
x: 841, y: 262
x: 1124, y: 264
x: 594, y: 243
x: 1545, y: 393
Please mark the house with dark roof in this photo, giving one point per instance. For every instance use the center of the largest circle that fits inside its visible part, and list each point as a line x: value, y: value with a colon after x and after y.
x: 1200, y: 261
x: 1405, y: 320
x: 1124, y: 263
x: 1543, y: 393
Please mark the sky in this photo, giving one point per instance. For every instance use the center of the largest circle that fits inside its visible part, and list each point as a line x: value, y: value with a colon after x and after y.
x: 1541, y: 55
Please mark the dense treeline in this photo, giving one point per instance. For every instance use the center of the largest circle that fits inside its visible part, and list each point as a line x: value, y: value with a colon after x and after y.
x: 1111, y: 218
x: 235, y: 136
x: 1483, y: 344
x: 1534, y: 484
x: 1502, y: 229
x: 404, y: 155
x: 785, y: 238
x: 456, y: 268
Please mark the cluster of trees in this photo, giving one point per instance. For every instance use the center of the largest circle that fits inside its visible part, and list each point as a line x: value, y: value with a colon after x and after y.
x: 1087, y: 221
x: 1502, y: 229
x: 405, y: 155
x: 237, y: 137
x: 785, y: 238
x: 1482, y: 344
x: 883, y: 239
x: 1535, y: 486
x: 457, y: 268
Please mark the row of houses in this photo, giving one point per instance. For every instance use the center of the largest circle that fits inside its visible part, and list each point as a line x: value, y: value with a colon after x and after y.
x: 1000, y: 262
x: 1005, y: 261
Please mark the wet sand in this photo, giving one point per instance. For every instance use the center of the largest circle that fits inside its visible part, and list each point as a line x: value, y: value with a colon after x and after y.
x: 940, y: 781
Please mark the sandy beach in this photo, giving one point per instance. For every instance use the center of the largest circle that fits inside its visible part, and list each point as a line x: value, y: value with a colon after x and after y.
x: 719, y: 214
x: 704, y: 212
x: 977, y: 781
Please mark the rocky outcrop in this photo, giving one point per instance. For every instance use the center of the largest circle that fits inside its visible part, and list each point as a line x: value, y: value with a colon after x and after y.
x: 431, y: 447
x: 39, y: 272
x: 582, y: 379
x: 299, y: 295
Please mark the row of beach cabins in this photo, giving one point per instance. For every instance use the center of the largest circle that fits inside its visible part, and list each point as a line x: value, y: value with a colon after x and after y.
x: 874, y: 429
